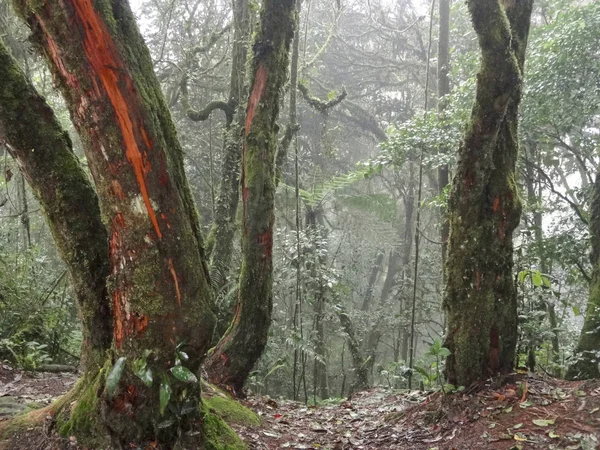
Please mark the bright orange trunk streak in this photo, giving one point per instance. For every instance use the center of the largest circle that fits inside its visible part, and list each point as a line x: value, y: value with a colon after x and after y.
x: 103, y: 57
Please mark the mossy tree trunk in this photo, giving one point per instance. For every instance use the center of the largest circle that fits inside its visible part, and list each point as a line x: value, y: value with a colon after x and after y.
x: 220, y: 238
x: 480, y: 296
x: 443, y: 90
x: 234, y: 356
x: 158, y: 280
x: 361, y: 374
x: 44, y: 153
x: 587, y: 353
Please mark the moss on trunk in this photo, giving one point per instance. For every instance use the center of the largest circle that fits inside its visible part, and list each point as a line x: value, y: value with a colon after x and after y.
x: 480, y: 297
x: 158, y: 278
x: 587, y: 354
x: 238, y: 350
x: 44, y: 153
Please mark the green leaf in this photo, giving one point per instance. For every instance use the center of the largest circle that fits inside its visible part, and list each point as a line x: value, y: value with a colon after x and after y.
x: 552, y: 434
x: 183, y: 374
x: 576, y: 311
x: 517, y: 426
x: 546, y: 281
x: 522, y: 275
x: 536, y: 278
x: 113, y: 378
x: 141, y: 370
x: 444, y: 352
x: 164, y: 394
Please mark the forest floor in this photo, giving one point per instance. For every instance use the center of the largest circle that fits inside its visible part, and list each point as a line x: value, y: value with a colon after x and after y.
x: 524, y: 412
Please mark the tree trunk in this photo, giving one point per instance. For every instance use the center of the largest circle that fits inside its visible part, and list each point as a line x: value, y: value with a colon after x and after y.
x: 373, y: 276
x: 480, y: 297
x: 533, y: 199
x: 443, y: 91
x: 587, y: 353
x: 238, y: 350
x: 220, y: 238
x: 361, y: 374
x: 158, y: 282
x: 67, y: 198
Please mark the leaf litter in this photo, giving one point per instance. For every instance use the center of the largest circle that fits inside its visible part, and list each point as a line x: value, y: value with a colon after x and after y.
x: 513, y: 413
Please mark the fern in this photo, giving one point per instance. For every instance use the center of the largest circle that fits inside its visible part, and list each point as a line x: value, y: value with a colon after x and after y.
x: 322, y: 190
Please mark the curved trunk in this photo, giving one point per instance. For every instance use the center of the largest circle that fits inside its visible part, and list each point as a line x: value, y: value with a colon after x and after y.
x: 220, y: 238
x: 587, y: 353
x: 480, y: 296
x: 238, y: 350
x: 158, y: 280
x: 67, y: 197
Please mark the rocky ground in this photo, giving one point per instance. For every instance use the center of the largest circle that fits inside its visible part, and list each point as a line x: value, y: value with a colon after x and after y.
x: 522, y: 412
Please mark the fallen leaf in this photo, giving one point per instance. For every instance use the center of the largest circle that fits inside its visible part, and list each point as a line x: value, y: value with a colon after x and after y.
x: 519, y: 437
x: 543, y: 422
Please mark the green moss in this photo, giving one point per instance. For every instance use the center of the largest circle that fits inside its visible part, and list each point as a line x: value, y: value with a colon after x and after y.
x: 227, y: 408
x: 81, y: 418
x: 217, y: 434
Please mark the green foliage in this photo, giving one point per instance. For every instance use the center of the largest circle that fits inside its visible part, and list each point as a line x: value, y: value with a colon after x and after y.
x: 431, y: 367
x: 320, y: 191
x: 382, y: 206
x: 37, y: 318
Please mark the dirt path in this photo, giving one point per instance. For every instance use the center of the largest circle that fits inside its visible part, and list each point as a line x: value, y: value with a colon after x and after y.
x: 530, y: 413
x: 525, y: 413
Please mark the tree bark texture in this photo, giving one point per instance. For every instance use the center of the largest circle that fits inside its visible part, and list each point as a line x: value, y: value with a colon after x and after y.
x: 587, y: 353
x: 480, y: 296
x: 44, y: 153
x: 220, y: 238
x: 234, y: 356
x: 443, y: 91
x: 158, y: 281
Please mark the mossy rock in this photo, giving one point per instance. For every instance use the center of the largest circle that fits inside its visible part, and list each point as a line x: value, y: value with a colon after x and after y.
x: 227, y: 408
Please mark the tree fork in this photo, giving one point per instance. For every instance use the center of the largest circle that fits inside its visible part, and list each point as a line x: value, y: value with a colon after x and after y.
x: 158, y: 279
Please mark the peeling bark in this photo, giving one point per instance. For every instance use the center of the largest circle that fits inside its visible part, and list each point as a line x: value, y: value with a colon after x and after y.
x: 480, y: 297
x: 238, y: 350
x: 158, y: 279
